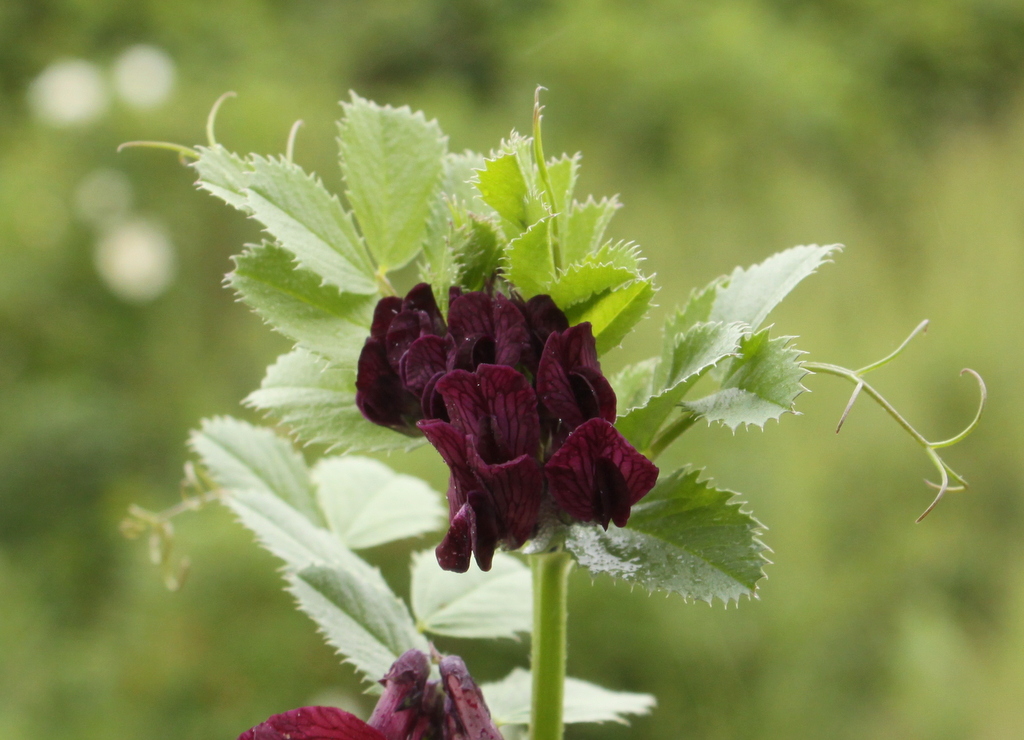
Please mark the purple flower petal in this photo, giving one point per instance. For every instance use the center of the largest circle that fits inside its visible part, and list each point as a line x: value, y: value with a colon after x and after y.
x: 471, y: 314
x: 597, y: 475
x: 421, y: 299
x: 451, y: 444
x: 379, y: 392
x: 383, y: 314
x: 466, y: 714
x: 457, y: 546
x: 313, y: 723
x: 487, y: 531
x: 544, y: 317
x: 431, y: 402
x: 463, y: 399
x: 569, y: 381
x: 421, y: 362
x: 497, y: 407
x: 400, y: 707
x: 406, y: 328
x: 516, y: 489
x: 511, y: 335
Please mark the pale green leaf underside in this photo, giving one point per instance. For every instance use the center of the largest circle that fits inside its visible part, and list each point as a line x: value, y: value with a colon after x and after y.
x: 366, y: 503
x: 348, y: 598
x: 749, y: 294
x: 474, y: 604
x: 761, y: 384
x: 317, y: 401
x: 299, y: 305
x: 370, y: 628
x: 223, y: 174
x: 240, y: 456
x: 368, y: 635
x: 633, y: 384
x: 509, y: 701
x: 308, y: 221
x: 529, y: 264
x: 684, y: 537
x: 696, y: 350
x: 392, y: 162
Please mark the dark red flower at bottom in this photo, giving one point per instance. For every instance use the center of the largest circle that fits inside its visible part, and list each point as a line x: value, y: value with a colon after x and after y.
x: 412, y: 708
x: 313, y: 723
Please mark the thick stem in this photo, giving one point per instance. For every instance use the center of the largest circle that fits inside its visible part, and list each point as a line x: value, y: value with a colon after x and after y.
x: 550, y: 587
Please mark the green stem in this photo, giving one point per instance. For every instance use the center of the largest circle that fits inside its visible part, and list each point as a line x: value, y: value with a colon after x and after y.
x: 550, y: 588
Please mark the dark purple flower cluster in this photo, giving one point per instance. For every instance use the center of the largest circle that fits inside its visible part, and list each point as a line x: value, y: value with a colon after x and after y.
x: 413, y: 707
x: 514, y: 400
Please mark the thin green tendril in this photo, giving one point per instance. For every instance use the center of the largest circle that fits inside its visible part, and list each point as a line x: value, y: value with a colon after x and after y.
x: 947, y: 476
x: 210, y: 119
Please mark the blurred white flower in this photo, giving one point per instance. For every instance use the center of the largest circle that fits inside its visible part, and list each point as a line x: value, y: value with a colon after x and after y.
x: 103, y: 196
x: 136, y: 260
x: 144, y: 76
x: 69, y: 92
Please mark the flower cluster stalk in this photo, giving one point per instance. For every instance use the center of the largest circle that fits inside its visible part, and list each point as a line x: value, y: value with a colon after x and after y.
x: 548, y: 653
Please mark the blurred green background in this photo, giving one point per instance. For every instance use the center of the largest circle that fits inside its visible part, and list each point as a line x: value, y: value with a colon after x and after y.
x: 731, y: 130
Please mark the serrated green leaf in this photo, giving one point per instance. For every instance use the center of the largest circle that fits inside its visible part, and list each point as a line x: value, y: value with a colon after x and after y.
x: 503, y: 187
x: 618, y: 254
x: 684, y: 537
x: 299, y: 305
x: 474, y: 604
x: 369, y: 626
x: 316, y: 399
x: 529, y: 265
x: 562, y: 174
x: 749, y: 295
x: 585, y: 279
x: 452, y: 206
x: 478, y: 252
x: 761, y: 384
x: 585, y: 227
x: 366, y: 503
x: 310, y: 223
x: 509, y: 701
x: 613, y: 313
x: 223, y: 174
x: 347, y: 597
x: 392, y: 162
x: 242, y: 457
x: 696, y: 351
x: 633, y: 384
x: 369, y: 634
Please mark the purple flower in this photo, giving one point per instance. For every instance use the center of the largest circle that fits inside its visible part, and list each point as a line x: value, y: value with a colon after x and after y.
x: 410, y: 705
x: 514, y: 400
x: 542, y: 318
x: 570, y: 385
x: 465, y: 711
x: 404, y: 352
x: 597, y: 475
x: 485, y: 330
x: 411, y: 708
x: 490, y: 446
